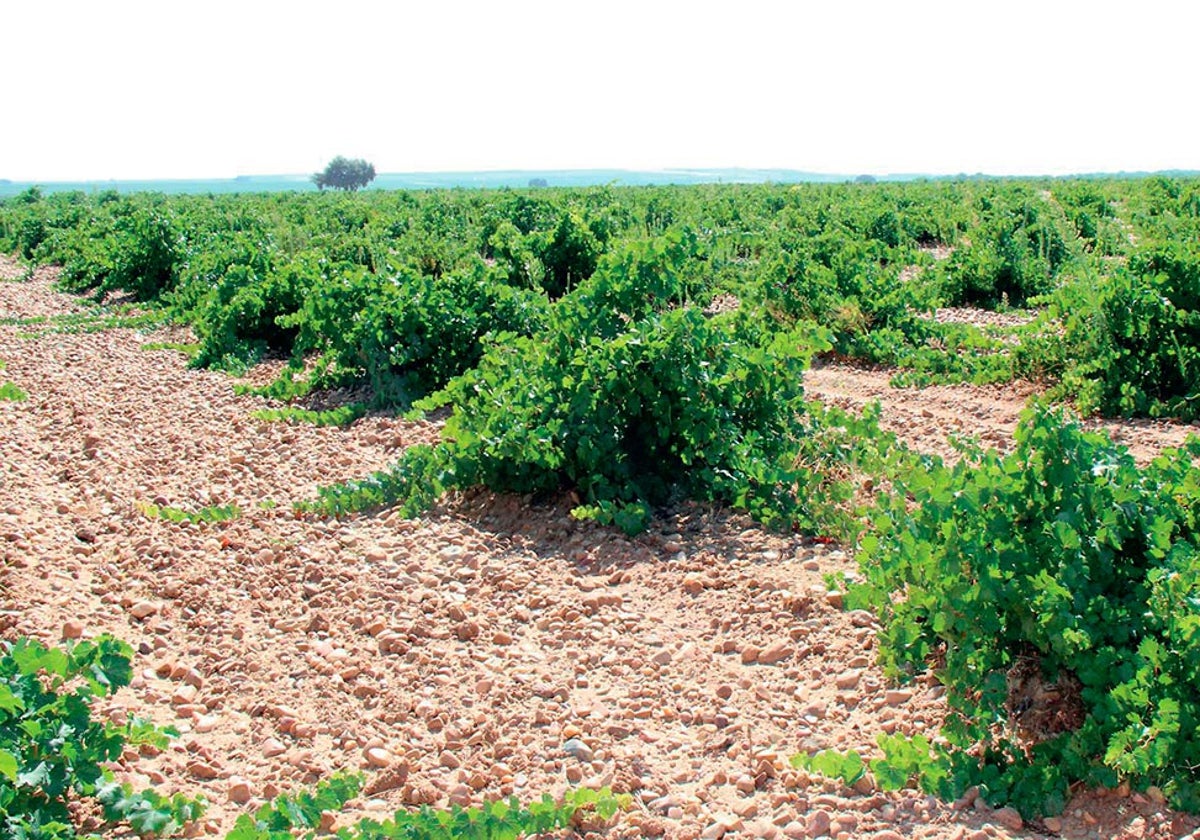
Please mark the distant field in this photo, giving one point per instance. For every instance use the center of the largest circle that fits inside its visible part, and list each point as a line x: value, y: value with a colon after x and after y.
x: 446, y: 180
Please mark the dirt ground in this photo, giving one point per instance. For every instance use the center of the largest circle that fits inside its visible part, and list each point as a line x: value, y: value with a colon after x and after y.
x: 492, y: 647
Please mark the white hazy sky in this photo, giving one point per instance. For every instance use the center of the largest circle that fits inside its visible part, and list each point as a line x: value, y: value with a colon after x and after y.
x: 176, y: 89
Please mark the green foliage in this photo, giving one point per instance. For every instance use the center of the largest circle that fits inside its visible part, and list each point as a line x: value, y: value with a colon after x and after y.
x: 12, y: 393
x: 1064, y: 566
x: 136, y: 252
x: 52, y: 752
x: 99, y: 319
x: 626, y: 401
x: 1131, y: 342
x: 398, y: 291
x: 190, y: 349
x: 1016, y: 253
x: 848, y: 766
x: 345, y: 174
x: 205, y: 515
x: 298, y: 815
x: 341, y: 416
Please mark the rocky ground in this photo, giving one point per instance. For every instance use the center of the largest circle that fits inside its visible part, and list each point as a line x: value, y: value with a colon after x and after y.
x: 493, y: 647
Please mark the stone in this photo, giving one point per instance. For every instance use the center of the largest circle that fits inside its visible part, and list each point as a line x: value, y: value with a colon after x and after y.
x: 272, y: 747
x: 817, y: 823
x: 847, y: 680
x: 72, y: 629
x: 578, y: 749
x: 143, y: 609
x: 378, y: 757
x: 750, y: 654
x: 239, y: 791
x: 460, y: 795
x: 202, y: 770
x: 1010, y: 818
x: 775, y: 652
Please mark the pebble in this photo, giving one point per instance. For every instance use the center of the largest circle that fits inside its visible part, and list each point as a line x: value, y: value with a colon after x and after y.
x: 897, y: 696
x: 239, y: 790
x: 272, y: 747
x: 202, y: 770
x: 1010, y: 818
x: 578, y: 749
x: 848, y: 680
x: 379, y: 757
x: 460, y: 795
x: 72, y: 630
x: 143, y: 609
x: 795, y: 830
x: 817, y: 823
x: 775, y: 652
x: 750, y: 654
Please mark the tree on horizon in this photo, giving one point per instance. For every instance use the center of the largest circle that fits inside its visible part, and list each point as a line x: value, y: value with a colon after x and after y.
x: 345, y: 174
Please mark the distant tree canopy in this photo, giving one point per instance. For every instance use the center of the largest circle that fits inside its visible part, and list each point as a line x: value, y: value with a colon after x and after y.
x: 344, y: 174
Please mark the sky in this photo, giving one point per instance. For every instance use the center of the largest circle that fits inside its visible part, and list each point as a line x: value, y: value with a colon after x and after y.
x: 215, y: 89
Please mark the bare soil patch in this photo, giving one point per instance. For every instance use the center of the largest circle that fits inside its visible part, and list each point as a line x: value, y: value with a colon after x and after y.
x: 451, y: 658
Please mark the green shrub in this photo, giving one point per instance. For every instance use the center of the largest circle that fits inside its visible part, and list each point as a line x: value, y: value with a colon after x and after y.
x: 627, y: 401
x: 1130, y: 344
x: 1058, y: 590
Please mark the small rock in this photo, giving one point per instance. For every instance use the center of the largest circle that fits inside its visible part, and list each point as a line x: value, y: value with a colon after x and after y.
x: 1010, y: 818
x: 750, y: 654
x: 239, y: 791
x: 206, y: 723
x: 795, y: 830
x: 663, y: 657
x: 449, y: 760
x: 143, y: 609
x: 897, y: 696
x: 466, y: 630
x: 378, y: 757
x: 578, y: 749
x: 72, y: 630
x: 887, y: 834
x: 202, y: 770
x: 848, y: 680
x: 775, y: 652
x: 460, y: 795
x: 745, y: 783
x: 817, y: 823
x: 272, y: 747
x: 185, y: 694
x: 713, y: 832
x: 1053, y: 824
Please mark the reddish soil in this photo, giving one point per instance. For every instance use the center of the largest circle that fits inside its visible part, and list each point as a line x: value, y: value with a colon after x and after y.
x: 451, y: 658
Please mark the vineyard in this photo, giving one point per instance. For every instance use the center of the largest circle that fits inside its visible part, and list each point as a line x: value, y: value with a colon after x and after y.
x: 644, y: 500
